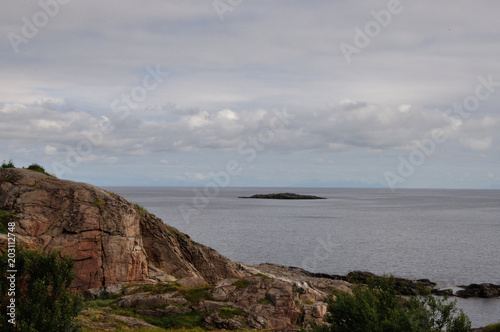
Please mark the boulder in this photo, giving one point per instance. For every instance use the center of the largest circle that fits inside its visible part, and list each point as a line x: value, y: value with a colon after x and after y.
x: 479, y: 290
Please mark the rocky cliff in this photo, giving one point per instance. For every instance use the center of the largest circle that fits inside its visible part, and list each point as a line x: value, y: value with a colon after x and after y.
x: 112, y: 241
x: 152, y: 270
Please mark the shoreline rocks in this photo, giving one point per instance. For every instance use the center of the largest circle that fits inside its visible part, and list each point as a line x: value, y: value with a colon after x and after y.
x: 479, y: 290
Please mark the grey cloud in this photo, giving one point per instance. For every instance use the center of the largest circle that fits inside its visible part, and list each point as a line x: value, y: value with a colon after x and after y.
x: 341, y: 127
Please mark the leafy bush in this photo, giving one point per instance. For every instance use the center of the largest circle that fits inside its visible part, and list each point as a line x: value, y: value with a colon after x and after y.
x: 43, y: 299
x: 377, y: 307
x: 492, y: 328
x: 37, y: 168
x: 10, y: 164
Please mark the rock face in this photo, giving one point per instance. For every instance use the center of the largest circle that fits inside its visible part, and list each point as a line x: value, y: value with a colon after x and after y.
x: 112, y: 241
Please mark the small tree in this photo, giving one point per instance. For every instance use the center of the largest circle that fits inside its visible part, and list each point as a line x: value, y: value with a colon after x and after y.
x: 37, y: 168
x: 10, y: 164
x: 378, y: 307
x: 43, y: 299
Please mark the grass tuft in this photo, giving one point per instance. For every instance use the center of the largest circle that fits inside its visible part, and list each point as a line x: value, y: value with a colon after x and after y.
x: 228, y: 313
x: 242, y: 283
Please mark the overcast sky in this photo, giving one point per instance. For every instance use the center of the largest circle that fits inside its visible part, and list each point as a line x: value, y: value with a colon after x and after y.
x: 253, y: 93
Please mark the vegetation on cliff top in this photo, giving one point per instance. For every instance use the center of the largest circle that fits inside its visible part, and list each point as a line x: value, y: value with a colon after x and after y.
x: 33, y: 167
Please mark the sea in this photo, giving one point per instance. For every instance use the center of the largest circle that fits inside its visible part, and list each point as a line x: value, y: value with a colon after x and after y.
x: 448, y: 236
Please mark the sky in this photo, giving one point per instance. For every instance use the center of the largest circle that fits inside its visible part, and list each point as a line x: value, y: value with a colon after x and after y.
x: 393, y: 94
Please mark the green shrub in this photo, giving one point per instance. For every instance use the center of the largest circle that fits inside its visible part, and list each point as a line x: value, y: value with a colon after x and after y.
x: 197, y: 294
x: 377, y: 307
x: 10, y: 164
x: 43, y: 299
x: 37, y: 168
x: 492, y: 328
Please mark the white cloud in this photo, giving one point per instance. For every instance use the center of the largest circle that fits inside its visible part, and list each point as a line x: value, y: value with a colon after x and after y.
x: 477, y: 144
x: 11, y: 108
x: 404, y: 108
x: 46, y: 124
x: 50, y: 150
x: 227, y: 114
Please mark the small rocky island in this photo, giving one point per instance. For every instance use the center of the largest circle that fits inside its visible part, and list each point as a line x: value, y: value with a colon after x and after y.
x: 284, y: 196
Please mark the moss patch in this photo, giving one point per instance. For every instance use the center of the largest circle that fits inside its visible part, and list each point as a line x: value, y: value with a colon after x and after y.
x: 242, y: 283
x: 5, y: 218
x: 228, y: 313
x: 197, y: 294
x: 189, y: 320
x: 265, y: 301
x: 99, y: 202
x: 99, y: 303
x: 141, y: 210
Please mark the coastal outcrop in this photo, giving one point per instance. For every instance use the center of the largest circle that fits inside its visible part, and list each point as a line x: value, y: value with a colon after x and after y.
x: 143, y: 271
x: 284, y: 196
x: 149, y: 269
x: 111, y: 240
x: 479, y: 290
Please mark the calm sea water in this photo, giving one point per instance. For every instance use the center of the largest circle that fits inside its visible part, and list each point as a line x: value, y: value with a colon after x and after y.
x: 447, y: 236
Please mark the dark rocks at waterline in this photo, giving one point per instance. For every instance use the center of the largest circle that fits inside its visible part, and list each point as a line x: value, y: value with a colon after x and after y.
x: 443, y: 292
x: 284, y: 196
x: 479, y: 290
x: 403, y: 286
